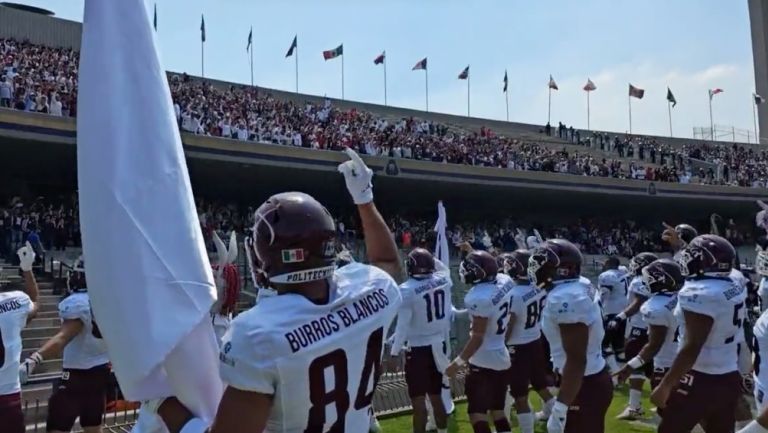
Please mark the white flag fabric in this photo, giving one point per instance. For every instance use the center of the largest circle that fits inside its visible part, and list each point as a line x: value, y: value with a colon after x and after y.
x: 441, y: 243
x: 149, y: 278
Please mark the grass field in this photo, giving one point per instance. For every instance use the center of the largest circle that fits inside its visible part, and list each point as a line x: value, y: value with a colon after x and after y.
x: 459, y: 422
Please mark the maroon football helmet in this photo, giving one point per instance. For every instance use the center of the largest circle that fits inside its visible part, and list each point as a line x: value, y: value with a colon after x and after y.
x: 515, y: 264
x: 554, y: 260
x: 294, y: 240
x: 637, y: 263
x: 707, y: 254
x: 420, y: 263
x: 663, y: 276
x: 478, y: 267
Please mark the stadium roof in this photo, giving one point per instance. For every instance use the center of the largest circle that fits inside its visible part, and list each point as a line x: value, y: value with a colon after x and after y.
x: 27, y: 8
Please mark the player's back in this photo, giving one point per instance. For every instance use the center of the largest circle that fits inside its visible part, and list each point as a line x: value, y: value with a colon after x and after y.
x: 613, y: 285
x: 87, y: 349
x: 430, y: 302
x: 320, y: 362
x: 723, y: 300
x: 14, y: 309
x: 659, y: 310
x: 572, y: 301
x: 491, y: 301
x: 527, y: 302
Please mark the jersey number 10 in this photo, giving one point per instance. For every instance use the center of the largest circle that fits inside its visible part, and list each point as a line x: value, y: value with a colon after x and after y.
x: 320, y: 396
x: 435, y: 305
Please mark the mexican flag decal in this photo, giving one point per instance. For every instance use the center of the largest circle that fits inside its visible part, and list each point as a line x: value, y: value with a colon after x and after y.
x: 293, y: 256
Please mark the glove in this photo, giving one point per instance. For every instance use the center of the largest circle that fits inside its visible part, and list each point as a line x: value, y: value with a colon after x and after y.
x: 747, y: 384
x: 358, y: 177
x: 28, y: 366
x: 26, y: 257
x: 556, y: 421
x: 614, y: 323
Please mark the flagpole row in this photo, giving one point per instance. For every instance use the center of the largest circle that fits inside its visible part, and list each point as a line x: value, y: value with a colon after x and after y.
x: 296, y: 58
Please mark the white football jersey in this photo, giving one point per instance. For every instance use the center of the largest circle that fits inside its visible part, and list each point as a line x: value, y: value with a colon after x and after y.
x: 426, y: 310
x: 318, y: 361
x: 613, y: 285
x: 491, y: 301
x: 762, y: 293
x: 572, y: 301
x: 723, y: 301
x: 526, y: 303
x: 636, y: 287
x: 659, y: 310
x: 15, y: 306
x: 760, y: 346
x: 87, y: 349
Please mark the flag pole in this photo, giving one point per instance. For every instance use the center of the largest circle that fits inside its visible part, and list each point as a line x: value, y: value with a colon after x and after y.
x: 549, y: 105
x: 251, y: 48
x: 296, y: 59
x: 426, y: 86
x: 629, y: 98
x: 202, y: 58
x: 588, y: 127
x: 669, y: 110
x: 342, y: 76
x: 754, y: 118
x: 468, y: 78
x: 506, y: 97
x: 385, y: 78
x: 711, y: 121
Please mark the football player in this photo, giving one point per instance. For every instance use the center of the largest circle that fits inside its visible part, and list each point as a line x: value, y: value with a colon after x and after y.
x: 663, y: 278
x: 421, y: 322
x: 308, y: 358
x: 572, y: 323
x: 761, y: 267
x: 82, y: 389
x: 524, y: 341
x: 760, y: 370
x: 17, y: 308
x: 485, y: 353
x: 703, y: 384
x: 613, y: 284
x: 637, y: 333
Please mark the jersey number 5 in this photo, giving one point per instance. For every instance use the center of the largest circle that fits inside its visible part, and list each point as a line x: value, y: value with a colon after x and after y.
x: 320, y: 396
x: 436, y: 309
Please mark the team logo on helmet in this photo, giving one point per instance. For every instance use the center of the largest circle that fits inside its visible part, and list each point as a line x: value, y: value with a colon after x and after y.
x: 537, y: 260
x: 761, y: 263
x: 687, y: 256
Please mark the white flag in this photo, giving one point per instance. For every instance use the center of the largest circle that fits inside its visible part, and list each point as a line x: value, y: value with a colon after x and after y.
x: 149, y: 278
x: 441, y: 243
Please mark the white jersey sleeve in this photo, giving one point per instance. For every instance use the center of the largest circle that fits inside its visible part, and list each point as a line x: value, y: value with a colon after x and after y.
x: 245, y: 360
x: 15, y: 307
x: 404, y: 319
x: 75, y: 307
x: 659, y: 311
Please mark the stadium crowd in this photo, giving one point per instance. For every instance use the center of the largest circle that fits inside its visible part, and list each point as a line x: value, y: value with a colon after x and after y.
x: 44, y: 79
x: 52, y: 224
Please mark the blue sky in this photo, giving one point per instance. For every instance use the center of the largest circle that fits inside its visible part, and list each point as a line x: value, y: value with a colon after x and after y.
x: 688, y: 45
